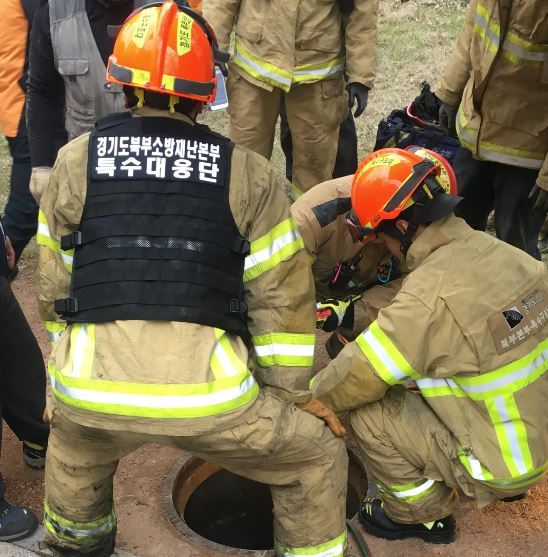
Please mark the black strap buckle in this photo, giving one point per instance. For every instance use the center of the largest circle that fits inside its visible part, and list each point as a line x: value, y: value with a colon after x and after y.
x: 71, y: 240
x: 66, y: 305
x: 237, y: 306
x: 241, y: 246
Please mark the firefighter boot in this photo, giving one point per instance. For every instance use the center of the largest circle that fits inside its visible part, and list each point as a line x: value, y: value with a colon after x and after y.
x: 15, y: 522
x: 376, y: 522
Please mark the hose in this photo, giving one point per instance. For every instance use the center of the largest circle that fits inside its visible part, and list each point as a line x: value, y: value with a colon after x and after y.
x: 364, y: 550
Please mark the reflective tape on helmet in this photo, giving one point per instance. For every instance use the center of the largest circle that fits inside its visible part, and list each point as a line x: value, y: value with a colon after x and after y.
x: 332, y: 548
x: 79, y: 532
x: 283, y: 241
x: 44, y: 238
x: 284, y: 349
x: 261, y: 70
x: 410, y: 492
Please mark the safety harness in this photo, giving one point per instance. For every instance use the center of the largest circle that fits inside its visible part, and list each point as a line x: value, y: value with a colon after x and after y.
x: 157, y: 239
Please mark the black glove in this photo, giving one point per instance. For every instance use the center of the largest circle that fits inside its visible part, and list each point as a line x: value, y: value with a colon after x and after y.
x: 357, y: 92
x: 448, y: 117
x: 540, y: 200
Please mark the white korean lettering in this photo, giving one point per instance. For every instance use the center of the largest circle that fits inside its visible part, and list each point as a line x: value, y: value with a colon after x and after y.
x: 156, y: 166
x: 180, y: 148
x: 135, y: 146
x: 169, y: 147
x: 131, y: 166
x: 182, y: 169
x: 146, y: 145
x: 112, y: 146
x: 123, y: 146
x: 208, y: 172
x: 158, y: 146
x: 101, y: 146
x: 191, y: 149
x: 106, y: 165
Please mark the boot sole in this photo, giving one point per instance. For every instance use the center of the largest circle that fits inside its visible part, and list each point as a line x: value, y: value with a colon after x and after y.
x: 36, y: 463
x: 428, y: 537
x: 20, y: 535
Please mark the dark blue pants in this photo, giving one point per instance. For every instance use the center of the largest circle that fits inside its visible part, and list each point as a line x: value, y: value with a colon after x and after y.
x: 22, y: 374
x: 489, y: 185
x: 21, y: 213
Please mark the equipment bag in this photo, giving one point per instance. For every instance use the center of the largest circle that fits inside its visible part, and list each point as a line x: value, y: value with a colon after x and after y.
x: 417, y: 124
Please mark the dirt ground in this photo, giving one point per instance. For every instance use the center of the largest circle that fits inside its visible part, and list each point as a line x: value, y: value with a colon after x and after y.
x: 517, y: 529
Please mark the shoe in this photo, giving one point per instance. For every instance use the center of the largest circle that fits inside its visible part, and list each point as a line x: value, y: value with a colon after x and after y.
x: 376, y: 522
x: 34, y: 455
x: 16, y: 523
x: 517, y: 497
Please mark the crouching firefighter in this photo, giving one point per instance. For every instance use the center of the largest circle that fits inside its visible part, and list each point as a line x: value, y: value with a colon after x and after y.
x: 471, y: 351
x: 170, y: 255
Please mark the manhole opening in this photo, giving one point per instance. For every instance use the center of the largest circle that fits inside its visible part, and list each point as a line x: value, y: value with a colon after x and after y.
x: 236, y: 512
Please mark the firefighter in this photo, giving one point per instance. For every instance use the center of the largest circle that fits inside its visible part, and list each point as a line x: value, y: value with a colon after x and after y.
x: 298, y: 51
x: 497, y: 78
x: 471, y: 350
x: 69, y: 49
x: 21, y: 210
x: 353, y: 281
x: 22, y: 392
x: 170, y: 255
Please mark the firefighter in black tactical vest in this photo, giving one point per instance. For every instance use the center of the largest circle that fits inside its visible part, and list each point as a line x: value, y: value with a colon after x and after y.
x: 170, y: 256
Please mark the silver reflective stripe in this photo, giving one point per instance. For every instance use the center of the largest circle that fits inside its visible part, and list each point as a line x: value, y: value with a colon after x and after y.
x: 54, y: 336
x: 511, y: 434
x: 409, y: 492
x: 384, y: 357
x: 276, y: 245
x: 505, y: 158
x: 429, y: 383
x: 80, y: 534
x: 284, y: 350
x: 322, y: 72
x: 78, y: 349
x: 261, y: 70
x: 151, y: 401
x: 475, y: 467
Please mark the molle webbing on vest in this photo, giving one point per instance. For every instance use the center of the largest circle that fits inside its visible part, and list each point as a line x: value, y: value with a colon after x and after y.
x: 157, y: 240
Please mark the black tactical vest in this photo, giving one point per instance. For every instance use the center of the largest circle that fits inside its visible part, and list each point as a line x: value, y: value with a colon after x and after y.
x: 157, y: 239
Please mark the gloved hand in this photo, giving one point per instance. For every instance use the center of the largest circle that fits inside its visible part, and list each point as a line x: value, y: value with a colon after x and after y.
x: 39, y: 179
x: 10, y: 254
x: 330, y: 313
x: 540, y: 200
x: 357, y: 92
x: 316, y: 408
x: 448, y: 117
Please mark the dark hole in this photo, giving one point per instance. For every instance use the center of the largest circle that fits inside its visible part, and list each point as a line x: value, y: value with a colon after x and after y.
x: 237, y: 512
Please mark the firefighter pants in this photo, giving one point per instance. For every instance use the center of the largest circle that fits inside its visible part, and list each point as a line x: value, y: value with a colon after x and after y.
x: 22, y: 373
x: 489, y: 185
x: 275, y: 443
x: 314, y: 111
x: 346, y: 162
x: 413, y: 458
x: 21, y: 212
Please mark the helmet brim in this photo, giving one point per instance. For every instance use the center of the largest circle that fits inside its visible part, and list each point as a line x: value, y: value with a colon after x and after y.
x: 440, y: 206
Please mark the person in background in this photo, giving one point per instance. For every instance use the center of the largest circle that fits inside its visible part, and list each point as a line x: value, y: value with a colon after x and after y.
x: 22, y: 392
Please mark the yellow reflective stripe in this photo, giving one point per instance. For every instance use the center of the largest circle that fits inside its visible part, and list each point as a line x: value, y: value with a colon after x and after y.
x: 387, y: 361
x: 516, y: 49
x: 295, y: 191
x: 154, y: 400
x: 44, y: 238
x: 322, y: 70
x: 473, y: 466
x: 79, y: 531
x: 511, y: 434
x: 278, y: 245
x: 82, y: 349
x: 284, y: 349
x: 54, y: 330
x: 494, y: 152
x: 332, y: 548
x: 261, y: 70
x: 224, y: 361
x: 411, y: 492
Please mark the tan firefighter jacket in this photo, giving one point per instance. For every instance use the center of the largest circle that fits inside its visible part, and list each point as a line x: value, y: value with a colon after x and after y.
x: 500, y: 79
x: 320, y: 215
x: 173, y: 377
x: 281, y: 44
x: 469, y: 328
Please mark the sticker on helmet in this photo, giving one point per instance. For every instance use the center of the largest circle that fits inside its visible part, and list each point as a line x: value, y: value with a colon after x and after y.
x: 184, y: 33
x: 147, y: 18
x: 385, y: 160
